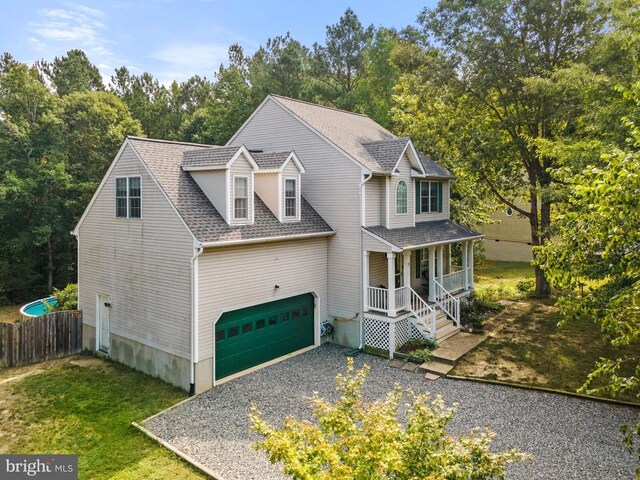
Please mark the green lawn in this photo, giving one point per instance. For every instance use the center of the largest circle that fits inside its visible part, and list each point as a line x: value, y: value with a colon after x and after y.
x: 87, y: 408
x: 498, y: 279
x: 10, y: 313
x: 525, y: 344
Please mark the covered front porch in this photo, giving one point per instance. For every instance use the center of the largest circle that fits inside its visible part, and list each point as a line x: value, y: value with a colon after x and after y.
x: 413, y: 280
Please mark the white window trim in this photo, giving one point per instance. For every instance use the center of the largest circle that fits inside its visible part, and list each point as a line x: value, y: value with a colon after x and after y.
x: 406, y: 186
x: 429, y: 182
x: 246, y: 219
x: 127, y: 178
x: 296, y: 181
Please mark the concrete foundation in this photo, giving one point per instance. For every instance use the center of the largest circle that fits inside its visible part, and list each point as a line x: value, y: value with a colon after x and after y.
x: 204, y: 375
x: 88, y: 337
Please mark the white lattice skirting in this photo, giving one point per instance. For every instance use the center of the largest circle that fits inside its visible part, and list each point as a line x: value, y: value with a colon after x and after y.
x: 388, y: 333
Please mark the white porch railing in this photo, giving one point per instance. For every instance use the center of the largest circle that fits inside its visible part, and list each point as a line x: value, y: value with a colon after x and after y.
x: 447, y: 302
x: 378, y: 299
x: 424, y: 313
x: 402, y: 298
x: 454, y: 280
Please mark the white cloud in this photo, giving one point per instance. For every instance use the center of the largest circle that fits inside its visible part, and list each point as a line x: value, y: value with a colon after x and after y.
x: 56, y: 30
x: 182, y: 60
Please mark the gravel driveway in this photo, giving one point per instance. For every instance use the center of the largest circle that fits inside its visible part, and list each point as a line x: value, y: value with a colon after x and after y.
x: 568, y: 437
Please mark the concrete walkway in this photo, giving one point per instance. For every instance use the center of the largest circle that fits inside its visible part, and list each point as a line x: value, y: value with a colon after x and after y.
x: 570, y: 438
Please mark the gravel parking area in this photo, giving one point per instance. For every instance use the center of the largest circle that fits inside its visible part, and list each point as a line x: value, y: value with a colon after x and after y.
x: 570, y: 438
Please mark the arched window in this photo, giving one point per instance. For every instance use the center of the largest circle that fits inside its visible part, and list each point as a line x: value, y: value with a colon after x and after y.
x: 401, y: 197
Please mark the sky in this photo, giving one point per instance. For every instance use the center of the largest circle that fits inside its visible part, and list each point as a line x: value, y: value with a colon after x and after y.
x: 175, y: 39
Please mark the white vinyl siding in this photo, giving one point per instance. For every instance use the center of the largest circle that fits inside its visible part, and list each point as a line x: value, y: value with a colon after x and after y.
x: 331, y: 183
x: 213, y: 184
x: 404, y: 173
x: 235, y: 277
x: 374, y: 201
x: 143, y: 266
x: 266, y: 187
x: 444, y: 215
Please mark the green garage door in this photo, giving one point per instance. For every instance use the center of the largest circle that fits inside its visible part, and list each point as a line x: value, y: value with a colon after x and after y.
x: 254, y: 335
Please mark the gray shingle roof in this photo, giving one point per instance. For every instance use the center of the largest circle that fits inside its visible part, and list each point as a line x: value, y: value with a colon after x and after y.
x: 270, y: 160
x: 387, y: 152
x: 356, y: 134
x: 164, y: 160
x: 210, y: 156
x: 424, y: 233
x: 434, y: 169
x: 347, y: 130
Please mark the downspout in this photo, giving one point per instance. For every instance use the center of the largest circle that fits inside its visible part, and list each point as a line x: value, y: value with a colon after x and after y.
x: 368, y: 176
x: 194, y: 317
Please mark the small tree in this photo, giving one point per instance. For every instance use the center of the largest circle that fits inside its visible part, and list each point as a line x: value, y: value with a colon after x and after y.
x: 66, y: 298
x: 353, y: 439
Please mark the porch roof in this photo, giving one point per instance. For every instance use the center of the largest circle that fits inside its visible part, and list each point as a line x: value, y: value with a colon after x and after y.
x: 424, y: 234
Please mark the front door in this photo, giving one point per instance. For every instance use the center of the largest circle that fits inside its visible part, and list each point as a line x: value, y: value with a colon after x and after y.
x: 103, y: 323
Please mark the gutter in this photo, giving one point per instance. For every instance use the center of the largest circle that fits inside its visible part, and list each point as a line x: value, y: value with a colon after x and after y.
x: 194, y: 317
x: 368, y: 176
x: 225, y: 243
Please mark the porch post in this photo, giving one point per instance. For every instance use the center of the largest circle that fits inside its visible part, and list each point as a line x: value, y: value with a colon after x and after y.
x: 365, y: 280
x: 440, y: 263
x: 432, y: 274
x: 391, y: 284
x: 406, y: 274
x: 470, y: 254
x: 464, y: 247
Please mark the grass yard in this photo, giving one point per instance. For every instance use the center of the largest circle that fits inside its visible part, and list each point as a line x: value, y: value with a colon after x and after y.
x: 499, y: 279
x: 85, y: 405
x: 525, y: 344
x: 10, y: 313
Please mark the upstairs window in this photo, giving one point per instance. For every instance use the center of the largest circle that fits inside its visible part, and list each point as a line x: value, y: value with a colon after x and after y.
x: 128, y: 197
x: 401, y: 197
x: 290, y: 198
x: 240, y: 198
x: 428, y: 197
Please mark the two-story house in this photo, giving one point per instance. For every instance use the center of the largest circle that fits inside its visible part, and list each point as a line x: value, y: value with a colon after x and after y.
x: 198, y: 263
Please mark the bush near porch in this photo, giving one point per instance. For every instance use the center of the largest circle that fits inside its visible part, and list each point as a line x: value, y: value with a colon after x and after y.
x: 85, y: 405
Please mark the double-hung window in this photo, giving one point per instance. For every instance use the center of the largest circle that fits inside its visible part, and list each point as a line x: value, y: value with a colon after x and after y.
x: 128, y: 197
x: 428, y: 197
x: 290, y: 198
x: 240, y: 198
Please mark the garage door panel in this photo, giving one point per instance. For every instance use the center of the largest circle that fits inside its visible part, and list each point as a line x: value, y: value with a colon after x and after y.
x: 258, y: 334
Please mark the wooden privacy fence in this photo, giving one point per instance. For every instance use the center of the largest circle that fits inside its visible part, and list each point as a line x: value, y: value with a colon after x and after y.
x: 37, y: 339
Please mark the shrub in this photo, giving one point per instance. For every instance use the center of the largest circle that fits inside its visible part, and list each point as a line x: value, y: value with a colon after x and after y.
x: 423, y: 354
x: 67, y: 298
x: 525, y: 285
x: 354, y: 439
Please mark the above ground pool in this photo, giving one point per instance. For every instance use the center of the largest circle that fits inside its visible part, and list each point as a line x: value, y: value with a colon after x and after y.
x: 37, y: 308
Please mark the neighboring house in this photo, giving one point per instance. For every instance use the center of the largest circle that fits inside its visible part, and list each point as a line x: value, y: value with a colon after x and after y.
x: 508, y: 239
x: 197, y: 263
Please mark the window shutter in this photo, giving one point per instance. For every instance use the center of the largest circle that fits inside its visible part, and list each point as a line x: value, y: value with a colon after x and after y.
x: 418, y: 258
x: 418, y: 200
x: 440, y: 197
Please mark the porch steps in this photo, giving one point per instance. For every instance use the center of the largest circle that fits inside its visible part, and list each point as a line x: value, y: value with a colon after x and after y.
x: 436, y: 368
x: 446, y: 332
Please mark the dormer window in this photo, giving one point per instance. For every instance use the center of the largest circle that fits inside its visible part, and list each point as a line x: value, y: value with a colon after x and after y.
x: 401, y: 197
x: 240, y: 198
x: 290, y: 198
